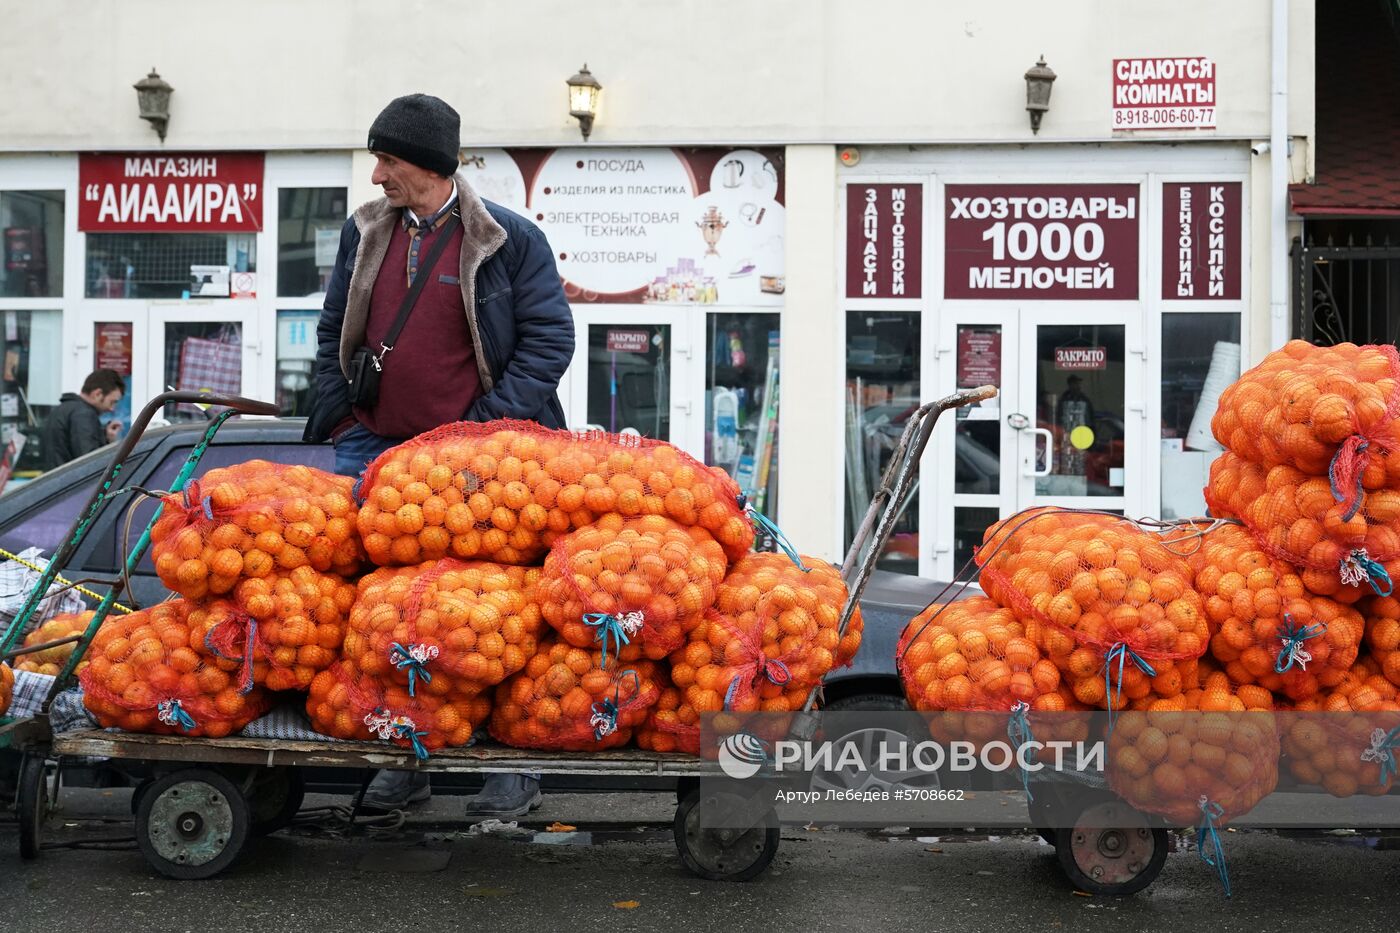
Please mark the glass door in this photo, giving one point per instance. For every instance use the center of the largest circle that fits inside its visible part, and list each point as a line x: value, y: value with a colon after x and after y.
x: 115, y: 336
x: 1066, y: 428
x: 1078, y: 447
x: 629, y: 374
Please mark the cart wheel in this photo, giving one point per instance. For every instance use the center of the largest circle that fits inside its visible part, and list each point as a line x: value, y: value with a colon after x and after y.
x: 1112, y: 850
x: 191, y: 824
x: 723, y: 854
x: 33, y: 804
x: 274, y: 799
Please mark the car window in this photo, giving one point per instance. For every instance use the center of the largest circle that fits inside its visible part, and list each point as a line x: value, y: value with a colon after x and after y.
x: 321, y: 456
x: 48, y: 524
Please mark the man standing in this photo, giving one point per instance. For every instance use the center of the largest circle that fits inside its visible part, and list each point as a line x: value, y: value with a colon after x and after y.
x: 75, y: 426
x: 488, y: 335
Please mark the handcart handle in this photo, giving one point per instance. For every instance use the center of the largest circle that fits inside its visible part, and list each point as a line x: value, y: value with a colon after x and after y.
x: 244, y: 406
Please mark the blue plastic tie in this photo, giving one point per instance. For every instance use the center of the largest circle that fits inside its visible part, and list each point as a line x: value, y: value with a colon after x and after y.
x: 605, y: 711
x: 403, y: 659
x: 1018, y: 730
x: 1375, y: 571
x: 1293, y: 639
x: 245, y: 672
x: 762, y: 523
x: 1208, y: 845
x: 1337, y: 493
x: 172, y: 713
x: 1123, y: 654
x: 405, y: 731
x: 1382, y: 751
x: 608, y: 626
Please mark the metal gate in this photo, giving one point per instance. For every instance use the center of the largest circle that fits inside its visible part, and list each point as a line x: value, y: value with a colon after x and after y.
x: 1346, y: 294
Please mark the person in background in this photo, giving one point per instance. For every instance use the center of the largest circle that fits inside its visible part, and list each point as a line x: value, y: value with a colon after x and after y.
x: 75, y: 426
x: 489, y: 336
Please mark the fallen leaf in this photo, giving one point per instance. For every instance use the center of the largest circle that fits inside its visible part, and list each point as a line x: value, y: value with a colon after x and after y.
x: 931, y: 849
x: 627, y: 905
x: 558, y: 827
x: 1082, y: 894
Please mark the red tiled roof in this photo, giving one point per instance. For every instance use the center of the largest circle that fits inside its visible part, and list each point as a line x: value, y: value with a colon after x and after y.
x: 1358, y: 115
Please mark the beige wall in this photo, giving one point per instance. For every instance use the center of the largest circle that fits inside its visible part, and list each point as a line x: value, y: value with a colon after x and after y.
x: 312, y: 73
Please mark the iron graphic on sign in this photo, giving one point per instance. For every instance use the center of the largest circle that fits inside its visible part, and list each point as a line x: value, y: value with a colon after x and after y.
x: 1081, y: 358
x: 628, y: 341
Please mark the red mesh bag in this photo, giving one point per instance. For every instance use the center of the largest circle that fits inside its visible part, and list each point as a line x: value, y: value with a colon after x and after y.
x: 975, y: 655
x: 1107, y: 603
x: 1266, y: 628
x: 250, y: 520
x: 771, y: 637
x: 277, y: 631
x: 1382, y: 614
x: 1295, y: 517
x: 50, y: 661
x: 671, y: 725
x: 565, y: 699
x: 506, y: 490
x: 1213, y: 745
x: 444, y: 628
x: 1318, y: 410
x: 347, y: 704
x: 640, y: 580
x: 143, y: 676
x: 7, y: 687
x: 972, y: 663
x: 1345, y: 740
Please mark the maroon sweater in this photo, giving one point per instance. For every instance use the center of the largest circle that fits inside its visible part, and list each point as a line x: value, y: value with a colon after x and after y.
x: 430, y: 377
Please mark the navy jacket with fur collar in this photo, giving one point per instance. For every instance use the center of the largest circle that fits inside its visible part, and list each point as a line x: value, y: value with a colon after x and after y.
x: 516, y: 309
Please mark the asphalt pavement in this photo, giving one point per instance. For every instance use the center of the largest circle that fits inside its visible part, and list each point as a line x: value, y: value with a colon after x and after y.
x: 618, y: 870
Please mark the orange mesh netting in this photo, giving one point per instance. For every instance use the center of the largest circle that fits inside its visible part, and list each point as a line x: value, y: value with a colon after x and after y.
x: 51, y: 660
x: 7, y: 687
x: 249, y: 520
x: 565, y: 699
x: 1107, y: 603
x: 1382, y: 614
x: 507, y: 490
x: 446, y: 627
x: 645, y: 580
x: 1267, y: 629
x: 771, y: 637
x: 1295, y: 518
x: 1211, y: 744
x: 277, y: 631
x: 143, y: 676
x: 1345, y: 740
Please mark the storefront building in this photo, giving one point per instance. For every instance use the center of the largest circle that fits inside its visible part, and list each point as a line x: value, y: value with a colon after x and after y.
x: 772, y: 255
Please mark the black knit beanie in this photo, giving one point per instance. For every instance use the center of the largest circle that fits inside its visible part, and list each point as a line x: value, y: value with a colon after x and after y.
x: 420, y: 129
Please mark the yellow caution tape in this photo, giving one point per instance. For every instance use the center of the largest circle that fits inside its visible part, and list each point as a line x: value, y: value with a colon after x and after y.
x: 81, y: 589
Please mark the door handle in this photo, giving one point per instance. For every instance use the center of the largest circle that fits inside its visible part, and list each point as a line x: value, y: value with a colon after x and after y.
x: 1049, y: 453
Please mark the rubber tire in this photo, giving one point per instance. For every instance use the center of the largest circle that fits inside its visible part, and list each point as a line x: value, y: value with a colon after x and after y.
x: 267, y: 818
x: 763, y: 858
x: 866, y: 702
x: 238, y: 833
x: 1160, y: 846
x: 32, y: 804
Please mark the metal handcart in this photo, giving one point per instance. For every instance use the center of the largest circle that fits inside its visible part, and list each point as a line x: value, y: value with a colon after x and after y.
x: 202, y: 798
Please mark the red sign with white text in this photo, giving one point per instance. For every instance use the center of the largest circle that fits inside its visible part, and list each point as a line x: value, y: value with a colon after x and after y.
x: 1081, y: 358
x: 884, y: 239
x: 1163, y: 93
x: 183, y: 192
x: 628, y: 341
x: 1201, y: 240
x: 1041, y: 241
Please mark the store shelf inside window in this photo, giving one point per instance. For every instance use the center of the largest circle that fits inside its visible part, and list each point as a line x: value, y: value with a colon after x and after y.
x: 741, y: 402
